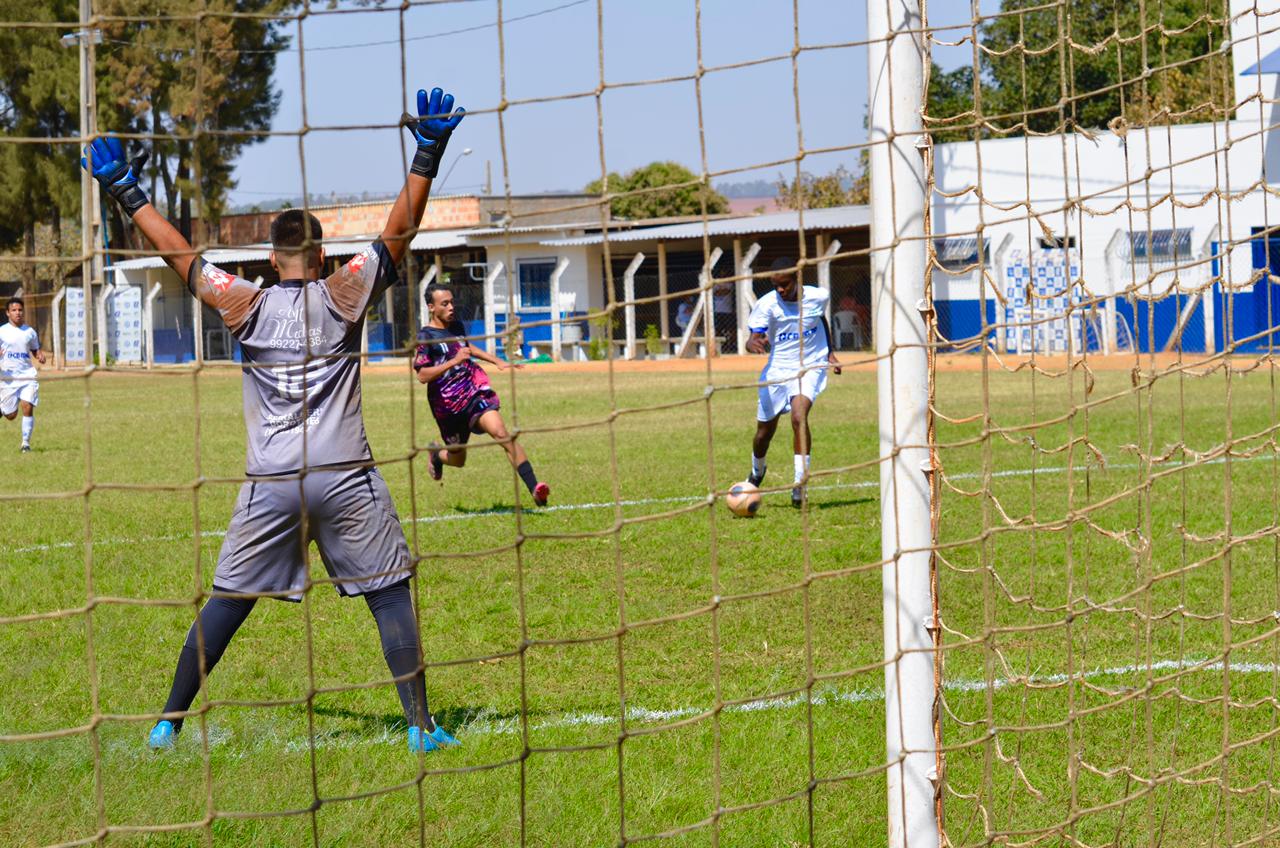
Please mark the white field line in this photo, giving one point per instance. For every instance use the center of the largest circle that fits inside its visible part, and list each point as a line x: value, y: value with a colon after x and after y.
x: 482, y: 725
x: 681, y: 499
x: 857, y: 696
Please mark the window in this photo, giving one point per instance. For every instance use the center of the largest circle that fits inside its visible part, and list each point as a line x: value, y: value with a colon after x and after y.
x: 956, y: 254
x: 1057, y: 242
x: 535, y: 283
x: 1160, y: 244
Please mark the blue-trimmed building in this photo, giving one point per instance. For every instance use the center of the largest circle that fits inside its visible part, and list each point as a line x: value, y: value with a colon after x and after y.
x: 1150, y: 238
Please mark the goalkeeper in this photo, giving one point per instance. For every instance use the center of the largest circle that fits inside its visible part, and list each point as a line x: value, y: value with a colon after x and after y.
x: 311, y: 474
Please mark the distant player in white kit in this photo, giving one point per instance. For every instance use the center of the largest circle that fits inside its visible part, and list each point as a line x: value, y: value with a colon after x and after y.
x: 18, y: 387
x: 789, y: 385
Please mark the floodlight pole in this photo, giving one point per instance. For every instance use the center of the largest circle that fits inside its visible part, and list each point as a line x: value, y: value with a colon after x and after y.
x: 895, y: 59
x: 90, y: 262
x: 744, y: 293
x: 490, y: 320
x: 59, y: 361
x: 629, y: 297
x: 557, y: 313
x: 105, y: 291
x: 824, y: 271
x: 149, y: 318
x: 428, y: 278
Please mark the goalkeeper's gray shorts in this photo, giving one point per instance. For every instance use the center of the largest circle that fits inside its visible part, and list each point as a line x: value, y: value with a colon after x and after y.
x: 348, y: 514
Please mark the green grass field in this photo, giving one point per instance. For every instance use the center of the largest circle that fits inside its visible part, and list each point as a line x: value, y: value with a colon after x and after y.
x: 541, y: 627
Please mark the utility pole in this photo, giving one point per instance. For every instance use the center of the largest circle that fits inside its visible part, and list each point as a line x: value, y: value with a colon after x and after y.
x: 90, y: 218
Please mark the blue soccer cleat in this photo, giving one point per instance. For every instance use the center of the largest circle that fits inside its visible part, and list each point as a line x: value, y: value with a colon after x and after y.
x: 420, y: 742
x: 442, y: 738
x: 163, y: 736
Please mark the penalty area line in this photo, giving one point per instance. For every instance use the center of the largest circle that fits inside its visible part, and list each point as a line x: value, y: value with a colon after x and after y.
x: 498, y: 512
x: 483, y: 725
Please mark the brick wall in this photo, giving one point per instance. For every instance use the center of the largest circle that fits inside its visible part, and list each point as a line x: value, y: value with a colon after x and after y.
x: 446, y: 213
x: 353, y: 219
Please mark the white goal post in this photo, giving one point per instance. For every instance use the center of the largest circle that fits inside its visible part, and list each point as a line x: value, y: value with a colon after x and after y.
x: 896, y: 58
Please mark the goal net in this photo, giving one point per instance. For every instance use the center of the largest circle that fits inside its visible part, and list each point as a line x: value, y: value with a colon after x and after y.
x: 1105, y: 506
x: 1037, y: 606
x: 628, y: 665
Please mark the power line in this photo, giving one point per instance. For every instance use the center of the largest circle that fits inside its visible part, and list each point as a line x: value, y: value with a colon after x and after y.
x: 362, y: 44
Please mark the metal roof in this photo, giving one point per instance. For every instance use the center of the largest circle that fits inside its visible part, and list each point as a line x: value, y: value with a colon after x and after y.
x: 218, y: 256
x: 425, y: 240
x: 835, y: 218
x: 490, y: 232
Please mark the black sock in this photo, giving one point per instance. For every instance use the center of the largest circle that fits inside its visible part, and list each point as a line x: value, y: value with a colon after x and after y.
x: 219, y: 620
x: 525, y: 470
x: 392, y: 609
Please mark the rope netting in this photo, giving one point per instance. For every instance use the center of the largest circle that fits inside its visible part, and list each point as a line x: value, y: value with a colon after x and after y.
x: 1090, y: 364
x: 1100, y: 195
x: 696, y: 705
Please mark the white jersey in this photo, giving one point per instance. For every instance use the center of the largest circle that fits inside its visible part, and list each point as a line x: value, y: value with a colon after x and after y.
x: 778, y: 321
x: 16, y: 347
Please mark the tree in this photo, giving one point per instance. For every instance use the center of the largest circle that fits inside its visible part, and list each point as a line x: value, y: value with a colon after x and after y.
x: 1023, y: 87
x: 202, y: 88
x: 634, y: 197
x: 838, y: 188
x: 39, y: 99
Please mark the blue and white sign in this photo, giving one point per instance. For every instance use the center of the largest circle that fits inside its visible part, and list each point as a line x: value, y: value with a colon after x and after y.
x: 1040, y: 289
x: 75, y: 342
x: 124, y: 324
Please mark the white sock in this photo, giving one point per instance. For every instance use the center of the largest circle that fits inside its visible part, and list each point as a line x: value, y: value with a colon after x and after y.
x: 28, y: 424
x: 802, y: 465
x: 758, y: 466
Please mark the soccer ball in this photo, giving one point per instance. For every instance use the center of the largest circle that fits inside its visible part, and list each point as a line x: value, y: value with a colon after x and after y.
x: 743, y: 499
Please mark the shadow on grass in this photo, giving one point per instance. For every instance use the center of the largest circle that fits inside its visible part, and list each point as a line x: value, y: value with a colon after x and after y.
x: 380, y: 724
x: 841, y: 502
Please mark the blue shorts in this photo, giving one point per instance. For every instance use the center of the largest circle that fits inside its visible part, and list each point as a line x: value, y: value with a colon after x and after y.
x: 456, y: 428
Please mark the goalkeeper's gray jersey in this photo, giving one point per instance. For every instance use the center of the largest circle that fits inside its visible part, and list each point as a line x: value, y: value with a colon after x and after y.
x: 300, y: 345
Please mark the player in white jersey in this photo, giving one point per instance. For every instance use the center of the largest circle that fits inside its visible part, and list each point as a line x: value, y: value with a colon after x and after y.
x: 311, y: 476
x: 19, y: 390
x: 790, y: 323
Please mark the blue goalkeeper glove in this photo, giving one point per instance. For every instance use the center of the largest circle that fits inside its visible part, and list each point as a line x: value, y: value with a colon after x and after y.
x: 117, y: 175
x: 431, y: 129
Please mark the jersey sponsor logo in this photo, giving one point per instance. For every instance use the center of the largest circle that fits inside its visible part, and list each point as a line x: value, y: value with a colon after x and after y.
x: 789, y: 336
x: 290, y: 420
x: 218, y: 279
x: 286, y: 330
x: 357, y: 262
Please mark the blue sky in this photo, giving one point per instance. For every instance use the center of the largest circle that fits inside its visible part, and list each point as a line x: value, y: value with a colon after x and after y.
x: 748, y: 113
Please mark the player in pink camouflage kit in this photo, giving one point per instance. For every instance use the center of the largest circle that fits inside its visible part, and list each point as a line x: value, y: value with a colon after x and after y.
x: 458, y: 390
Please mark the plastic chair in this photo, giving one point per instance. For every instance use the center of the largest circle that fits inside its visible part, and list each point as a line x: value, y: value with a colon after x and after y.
x: 846, y: 323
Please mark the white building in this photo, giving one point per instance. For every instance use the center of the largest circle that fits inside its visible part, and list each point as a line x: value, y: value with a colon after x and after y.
x: 1155, y: 234
x: 501, y: 274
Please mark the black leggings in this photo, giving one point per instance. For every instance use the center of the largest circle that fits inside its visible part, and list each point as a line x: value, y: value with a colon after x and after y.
x: 392, y: 609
